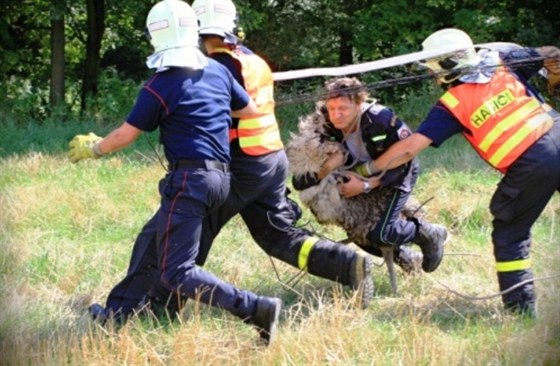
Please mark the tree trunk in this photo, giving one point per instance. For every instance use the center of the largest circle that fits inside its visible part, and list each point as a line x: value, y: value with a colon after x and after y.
x: 346, y: 32
x: 345, y: 49
x: 57, y: 53
x: 95, y: 30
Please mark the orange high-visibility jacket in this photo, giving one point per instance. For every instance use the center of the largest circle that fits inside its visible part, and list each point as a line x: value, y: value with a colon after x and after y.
x: 501, y: 119
x: 257, y: 136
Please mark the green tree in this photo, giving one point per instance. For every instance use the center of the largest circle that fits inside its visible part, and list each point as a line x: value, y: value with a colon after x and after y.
x: 57, y: 53
x: 95, y: 30
x: 96, y: 38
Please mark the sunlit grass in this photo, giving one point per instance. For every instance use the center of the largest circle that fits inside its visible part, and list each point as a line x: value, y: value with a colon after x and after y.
x: 66, y: 232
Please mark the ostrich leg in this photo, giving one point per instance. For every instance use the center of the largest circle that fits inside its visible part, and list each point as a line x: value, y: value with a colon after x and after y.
x: 388, y: 256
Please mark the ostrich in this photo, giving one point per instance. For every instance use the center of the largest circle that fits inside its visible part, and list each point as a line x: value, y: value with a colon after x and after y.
x: 307, y: 150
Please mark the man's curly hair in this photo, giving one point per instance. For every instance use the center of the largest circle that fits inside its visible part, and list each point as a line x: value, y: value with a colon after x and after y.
x: 351, y: 88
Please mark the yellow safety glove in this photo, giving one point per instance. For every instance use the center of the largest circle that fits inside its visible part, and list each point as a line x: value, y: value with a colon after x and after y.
x: 83, y: 147
x: 364, y: 169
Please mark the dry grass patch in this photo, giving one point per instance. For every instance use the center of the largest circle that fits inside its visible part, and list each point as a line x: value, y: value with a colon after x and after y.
x: 66, y: 232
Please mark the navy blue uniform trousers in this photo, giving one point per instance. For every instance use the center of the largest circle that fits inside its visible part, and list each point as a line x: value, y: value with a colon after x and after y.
x: 187, y: 197
x: 392, y: 230
x: 520, y: 198
x: 258, y: 193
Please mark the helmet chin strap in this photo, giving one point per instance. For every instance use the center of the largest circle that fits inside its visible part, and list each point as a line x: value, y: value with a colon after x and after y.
x: 449, y: 80
x: 447, y: 63
x: 451, y: 77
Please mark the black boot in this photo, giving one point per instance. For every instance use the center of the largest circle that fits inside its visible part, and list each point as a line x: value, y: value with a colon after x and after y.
x: 338, y: 262
x: 98, y: 313
x: 430, y: 238
x: 526, y: 308
x: 265, y: 318
x: 102, y: 315
x: 360, y: 278
x: 520, y: 300
x: 409, y: 260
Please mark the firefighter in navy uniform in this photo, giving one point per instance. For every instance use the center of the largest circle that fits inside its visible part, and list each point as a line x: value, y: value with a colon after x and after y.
x: 259, y: 168
x: 190, y: 99
x: 511, y: 127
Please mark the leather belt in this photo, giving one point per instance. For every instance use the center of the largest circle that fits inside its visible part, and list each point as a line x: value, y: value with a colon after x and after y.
x: 197, y: 164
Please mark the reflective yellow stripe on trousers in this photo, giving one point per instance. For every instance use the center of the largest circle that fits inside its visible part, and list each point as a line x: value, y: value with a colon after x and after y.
x: 305, y: 250
x: 511, y: 266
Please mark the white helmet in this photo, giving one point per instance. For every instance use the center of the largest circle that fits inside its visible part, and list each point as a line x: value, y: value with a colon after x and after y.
x: 217, y: 17
x: 457, y: 54
x: 172, y: 24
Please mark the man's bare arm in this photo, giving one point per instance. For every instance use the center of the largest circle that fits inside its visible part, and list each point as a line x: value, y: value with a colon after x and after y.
x: 400, y: 153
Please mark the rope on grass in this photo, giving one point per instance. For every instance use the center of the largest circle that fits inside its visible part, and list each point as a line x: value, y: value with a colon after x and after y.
x: 508, y: 290
x: 469, y: 254
x: 292, y: 281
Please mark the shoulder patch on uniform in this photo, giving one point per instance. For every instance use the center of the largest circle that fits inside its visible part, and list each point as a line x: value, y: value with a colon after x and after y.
x: 404, y: 132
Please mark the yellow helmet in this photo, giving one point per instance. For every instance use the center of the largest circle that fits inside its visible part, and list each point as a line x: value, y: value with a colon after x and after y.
x: 216, y: 17
x: 457, y: 54
x: 172, y: 24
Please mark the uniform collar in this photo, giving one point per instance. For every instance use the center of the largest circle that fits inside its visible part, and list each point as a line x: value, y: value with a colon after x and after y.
x: 187, y: 56
x: 485, y: 70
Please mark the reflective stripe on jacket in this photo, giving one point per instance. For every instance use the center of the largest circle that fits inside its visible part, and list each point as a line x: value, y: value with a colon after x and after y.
x: 501, y: 119
x: 257, y: 136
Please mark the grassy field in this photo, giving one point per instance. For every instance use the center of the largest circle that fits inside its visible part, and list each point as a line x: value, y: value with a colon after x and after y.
x: 66, y: 232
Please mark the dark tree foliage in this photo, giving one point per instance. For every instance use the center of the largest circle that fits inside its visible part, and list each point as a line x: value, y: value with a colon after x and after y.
x: 289, y: 34
x: 125, y: 45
